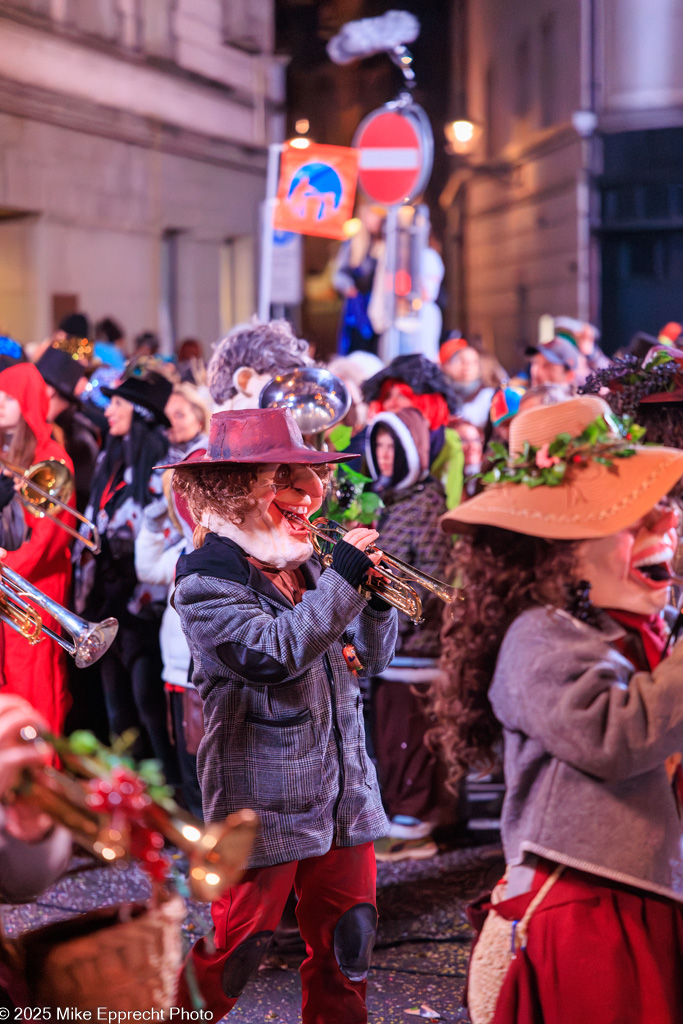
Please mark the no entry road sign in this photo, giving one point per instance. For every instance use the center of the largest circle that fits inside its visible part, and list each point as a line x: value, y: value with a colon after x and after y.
x: 396, y: 150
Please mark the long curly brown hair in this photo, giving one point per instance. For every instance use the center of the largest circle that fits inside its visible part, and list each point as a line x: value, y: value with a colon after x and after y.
x: 501, y: 574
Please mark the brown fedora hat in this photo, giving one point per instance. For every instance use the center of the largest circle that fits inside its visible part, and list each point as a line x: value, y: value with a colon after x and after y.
x: 257, y: 436
x: 593, y: 499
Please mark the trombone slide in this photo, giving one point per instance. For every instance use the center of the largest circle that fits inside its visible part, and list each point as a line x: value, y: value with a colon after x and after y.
x: 41, y: 501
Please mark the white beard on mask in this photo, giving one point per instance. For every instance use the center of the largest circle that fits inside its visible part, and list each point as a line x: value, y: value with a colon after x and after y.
x: 268, y: 544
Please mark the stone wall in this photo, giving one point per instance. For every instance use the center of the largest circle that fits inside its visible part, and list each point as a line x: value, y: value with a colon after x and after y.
x: 106, y: 149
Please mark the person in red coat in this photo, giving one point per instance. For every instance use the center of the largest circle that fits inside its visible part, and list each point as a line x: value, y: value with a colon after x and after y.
x: 37, y: 673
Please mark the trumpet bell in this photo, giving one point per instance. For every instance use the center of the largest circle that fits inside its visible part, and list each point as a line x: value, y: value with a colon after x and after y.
x: 84, y: 641
x: 53, y: 478
x: 46, y: 488
x: 316, y: 398
x: 93, y: 640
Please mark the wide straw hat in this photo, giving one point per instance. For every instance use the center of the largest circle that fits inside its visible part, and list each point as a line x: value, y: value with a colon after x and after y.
x: 593, y: 500
x: 256, y: 436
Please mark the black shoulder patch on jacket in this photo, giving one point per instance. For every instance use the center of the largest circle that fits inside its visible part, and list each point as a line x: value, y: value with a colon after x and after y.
x: 219, y: 557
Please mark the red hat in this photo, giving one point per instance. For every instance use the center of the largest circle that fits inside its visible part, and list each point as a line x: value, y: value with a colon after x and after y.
x: 450, y: 347
x: 670, y: 333
x: 258, y: 436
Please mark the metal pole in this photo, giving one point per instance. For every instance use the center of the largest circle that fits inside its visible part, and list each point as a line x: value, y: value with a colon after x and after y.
x: 268, y: 209
x: 390, y: 339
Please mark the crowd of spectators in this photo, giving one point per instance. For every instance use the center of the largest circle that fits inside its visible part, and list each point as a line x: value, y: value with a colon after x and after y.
x: 113, y: 412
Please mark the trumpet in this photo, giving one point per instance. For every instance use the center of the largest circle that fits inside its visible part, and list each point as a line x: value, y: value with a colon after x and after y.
x: 217, y: 853
x: 89, y: 640
x: 389, y: 579
x: 47, y: 486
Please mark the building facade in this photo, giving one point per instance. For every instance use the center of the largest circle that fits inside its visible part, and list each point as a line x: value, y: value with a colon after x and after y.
x: 133, y: 142
x: 572, y: 201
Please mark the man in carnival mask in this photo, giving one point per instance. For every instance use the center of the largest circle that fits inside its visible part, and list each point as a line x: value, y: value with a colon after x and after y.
x: 273, y: 639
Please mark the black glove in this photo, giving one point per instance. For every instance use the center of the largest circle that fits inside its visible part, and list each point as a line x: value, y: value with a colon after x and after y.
x: 350, y: 562
x: 7, y: 491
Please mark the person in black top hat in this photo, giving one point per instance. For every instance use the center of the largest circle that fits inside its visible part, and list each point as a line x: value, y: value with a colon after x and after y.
x: 123, y: 485
x: 65, y: 379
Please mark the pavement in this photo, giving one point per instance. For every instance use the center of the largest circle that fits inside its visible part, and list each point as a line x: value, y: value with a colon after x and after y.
x: 420, y: 958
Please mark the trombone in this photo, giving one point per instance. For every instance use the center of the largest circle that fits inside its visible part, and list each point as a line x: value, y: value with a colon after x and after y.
x: 47, y: 486
x: 387, y: 579
x: 89, y: 640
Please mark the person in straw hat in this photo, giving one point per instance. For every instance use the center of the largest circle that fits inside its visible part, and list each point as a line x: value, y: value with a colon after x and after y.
x: 558, y: 645
x: 274, y: 640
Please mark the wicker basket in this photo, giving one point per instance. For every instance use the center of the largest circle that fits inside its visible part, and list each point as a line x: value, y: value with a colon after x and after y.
x: 124, y: 958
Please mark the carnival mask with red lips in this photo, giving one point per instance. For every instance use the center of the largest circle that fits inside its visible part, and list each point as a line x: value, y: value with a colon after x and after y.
x: 632, y: 570
x: 266, y: 533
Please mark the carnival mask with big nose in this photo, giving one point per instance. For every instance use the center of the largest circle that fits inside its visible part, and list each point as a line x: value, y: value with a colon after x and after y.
x: 632, y: 570
x: 266, y: 533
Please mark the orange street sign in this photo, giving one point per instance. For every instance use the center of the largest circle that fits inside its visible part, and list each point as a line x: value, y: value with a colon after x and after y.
x: 317, y: 189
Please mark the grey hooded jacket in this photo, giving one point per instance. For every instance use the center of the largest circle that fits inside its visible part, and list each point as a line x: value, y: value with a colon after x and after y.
x: 586, y: 737
x: 282, y: 711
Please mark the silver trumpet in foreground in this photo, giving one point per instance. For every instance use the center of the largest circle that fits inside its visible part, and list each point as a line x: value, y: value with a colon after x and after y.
x: 89, y: 640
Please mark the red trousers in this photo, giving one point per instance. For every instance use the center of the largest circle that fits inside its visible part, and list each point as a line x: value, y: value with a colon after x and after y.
x: 337, y: 918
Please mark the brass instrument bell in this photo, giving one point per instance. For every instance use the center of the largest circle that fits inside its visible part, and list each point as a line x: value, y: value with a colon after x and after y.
x: 45, y: 490
x: 316, y: 398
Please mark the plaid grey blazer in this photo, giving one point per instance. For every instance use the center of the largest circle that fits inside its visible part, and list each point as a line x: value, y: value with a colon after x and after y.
x: 283, y: 712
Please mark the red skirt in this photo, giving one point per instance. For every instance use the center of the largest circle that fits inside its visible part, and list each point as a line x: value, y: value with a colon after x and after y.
x: 597, y: 952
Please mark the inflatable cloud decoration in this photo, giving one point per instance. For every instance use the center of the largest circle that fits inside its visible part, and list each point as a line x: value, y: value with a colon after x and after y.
x: 363, y: 38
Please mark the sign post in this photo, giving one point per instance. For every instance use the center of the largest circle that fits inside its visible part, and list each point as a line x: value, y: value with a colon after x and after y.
x: 267, y: 213
x: 396, y: 148
x: 309, y: 191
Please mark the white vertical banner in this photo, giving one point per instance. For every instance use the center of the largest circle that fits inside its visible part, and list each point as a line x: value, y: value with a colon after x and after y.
x: 286, y: 285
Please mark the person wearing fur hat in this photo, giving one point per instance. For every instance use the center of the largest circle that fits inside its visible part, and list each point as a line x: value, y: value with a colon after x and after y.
x: 39, y: 674
x: 248, y: 357
x: 411, y: 777
x: 123, y: 485
x: 273, y: 640
x: 415, y: 381
x: 559, y: 647
x: 648, y: 388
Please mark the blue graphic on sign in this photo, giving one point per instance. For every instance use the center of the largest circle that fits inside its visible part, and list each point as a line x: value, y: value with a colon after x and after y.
x: 283, y: 237
x: 316, y: 181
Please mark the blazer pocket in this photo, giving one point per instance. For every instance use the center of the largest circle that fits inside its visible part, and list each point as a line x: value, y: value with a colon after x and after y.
x: 288, y: 722
x: 283, y: 763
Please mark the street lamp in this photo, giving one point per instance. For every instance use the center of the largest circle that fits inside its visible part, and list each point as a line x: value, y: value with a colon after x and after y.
x: 462, y: 136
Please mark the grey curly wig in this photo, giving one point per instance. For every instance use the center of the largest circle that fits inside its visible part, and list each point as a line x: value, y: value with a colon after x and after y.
x: 268, y: 347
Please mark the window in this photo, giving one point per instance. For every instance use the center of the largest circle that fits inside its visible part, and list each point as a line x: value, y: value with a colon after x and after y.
x: 523, y: 77
x: 157, y: 32
x: 169, y: 289
x: 548, y: 71
x: 237, y: 281
x: 95, y: 17
x: 248, y: 25
x: 494, y: 113
x: 35, y: 6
